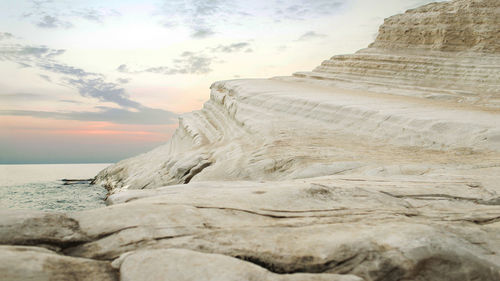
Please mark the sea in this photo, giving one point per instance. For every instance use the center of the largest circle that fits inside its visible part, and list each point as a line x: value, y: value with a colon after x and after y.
x: 51, y: 187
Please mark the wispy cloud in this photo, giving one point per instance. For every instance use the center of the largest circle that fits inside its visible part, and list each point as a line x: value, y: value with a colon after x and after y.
x: 196, y: 14
x: 310, y: 35
x: 302, y: 10
x: 232, y: 48
x: 27, y: 55
x: 145, y: 116
x: 188, y: 62
x: 22, y: 97
x: 202, y: 32
x: 87, y: 84
x: 123, y: 80
x: 40, y: 52
x: 51, y: 21
x: 71, y: 101
x: 96, y: 15
x: 206, y: 17
x: 58, y: 14
x: 100, y: 89
x: 123, y: 68
x: 6, y: 36
x: 66, y: 69
x: 45, y: 77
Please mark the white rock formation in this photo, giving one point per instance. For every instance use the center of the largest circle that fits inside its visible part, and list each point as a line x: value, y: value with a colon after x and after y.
x: 429, y: 84
x: 381, y: 165
x: 34, y: 263
x: 272, y: 130
x: 415, y: 228
x: 184, y: 265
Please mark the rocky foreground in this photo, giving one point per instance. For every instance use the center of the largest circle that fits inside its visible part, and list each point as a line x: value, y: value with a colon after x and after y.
x: 380, y: 165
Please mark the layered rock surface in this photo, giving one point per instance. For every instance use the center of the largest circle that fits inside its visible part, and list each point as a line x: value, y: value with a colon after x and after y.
x: 273, y: 130
x: 327, y: 228
x: 429, y: 83
x: 470, y: 26
x: 381, y: 165
x: 445, y: 51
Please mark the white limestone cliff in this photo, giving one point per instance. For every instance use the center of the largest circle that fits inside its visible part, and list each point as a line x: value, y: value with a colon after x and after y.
x: 382, y: 165
x: 425, y: 84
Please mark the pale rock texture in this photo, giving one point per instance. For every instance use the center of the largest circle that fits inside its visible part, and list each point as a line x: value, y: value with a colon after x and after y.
x: 39, y: 264
x: 424, y: 94
x: 183, y: 265
x: 381, y: 165
x: 470, y: 25
x: 441, y: 51
x: 416, y: 228
x: 34, y: 227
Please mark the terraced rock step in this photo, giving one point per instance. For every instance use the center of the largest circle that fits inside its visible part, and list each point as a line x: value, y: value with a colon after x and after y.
x: 465, y: 78
x: 260, y: 135
x: 463, y: 25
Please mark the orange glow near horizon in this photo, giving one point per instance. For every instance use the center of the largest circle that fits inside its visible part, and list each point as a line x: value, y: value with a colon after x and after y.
x: 36, y: 140
x: 31, y: 126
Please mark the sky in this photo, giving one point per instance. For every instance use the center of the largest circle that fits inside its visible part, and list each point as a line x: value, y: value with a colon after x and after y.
x: 99, y: 81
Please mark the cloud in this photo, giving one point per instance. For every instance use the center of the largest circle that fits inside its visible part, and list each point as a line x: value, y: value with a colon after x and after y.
x: 66, y: 69
x: 43, y: 58
x: 191, y: 62
x: 71, y: 101
x: 6, y: 35
x: 40, y: 51
x: 17, y: 52
x: 123, y: 68
x: 195, y: 14
x: 48, y: 21
x: 100, y: 89
x: 301, y: 10
x: 186, y: 63
x: 23, y: 65
x: 232, y: 48
x: 310, y: 35
x: 27, y: 55
x: 59, y: 14
x: 123, y: 80
x: 22, y: 97
x: 200, y: 33
x: 96, y: 15
x: 45, y: 77
x: 90, y: 84
x: 205, y: 17
x: 142, y: 116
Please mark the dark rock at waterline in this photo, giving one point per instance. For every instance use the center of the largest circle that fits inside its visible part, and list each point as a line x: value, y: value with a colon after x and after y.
x: 76, y: 181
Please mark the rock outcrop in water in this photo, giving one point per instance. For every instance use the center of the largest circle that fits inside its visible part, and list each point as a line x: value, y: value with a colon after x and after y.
x: 381, y: 165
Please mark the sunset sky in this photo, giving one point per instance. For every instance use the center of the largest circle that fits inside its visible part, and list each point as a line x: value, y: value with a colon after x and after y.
x: 98, y: 81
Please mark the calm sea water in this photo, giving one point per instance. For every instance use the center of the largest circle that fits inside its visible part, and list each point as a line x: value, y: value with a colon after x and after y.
x: 41, y: 187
